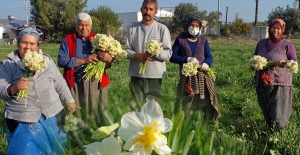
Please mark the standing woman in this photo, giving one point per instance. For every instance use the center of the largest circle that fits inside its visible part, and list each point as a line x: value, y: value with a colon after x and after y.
x: 274, y: 85
x: 32, y: 125
x: 190, y: 46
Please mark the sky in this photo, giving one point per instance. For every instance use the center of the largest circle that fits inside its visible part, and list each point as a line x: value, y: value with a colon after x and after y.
x: 245, y: 9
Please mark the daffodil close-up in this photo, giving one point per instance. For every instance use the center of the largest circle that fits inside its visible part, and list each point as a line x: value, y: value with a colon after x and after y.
x: 143, y: 131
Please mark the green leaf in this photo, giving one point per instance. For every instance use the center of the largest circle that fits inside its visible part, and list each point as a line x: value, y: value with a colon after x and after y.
x: 104, y: 131
x: 188, y: 143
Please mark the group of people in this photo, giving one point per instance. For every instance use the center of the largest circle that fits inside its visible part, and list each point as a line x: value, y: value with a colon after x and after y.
x: 47, y: 90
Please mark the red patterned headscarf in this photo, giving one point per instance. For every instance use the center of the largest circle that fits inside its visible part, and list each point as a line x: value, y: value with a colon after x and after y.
x: 271, y: 35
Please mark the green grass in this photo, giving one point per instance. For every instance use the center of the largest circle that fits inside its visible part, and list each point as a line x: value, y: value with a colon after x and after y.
x: 241, y: 129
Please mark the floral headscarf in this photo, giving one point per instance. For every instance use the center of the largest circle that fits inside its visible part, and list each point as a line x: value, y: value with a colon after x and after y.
x: 271, y: 35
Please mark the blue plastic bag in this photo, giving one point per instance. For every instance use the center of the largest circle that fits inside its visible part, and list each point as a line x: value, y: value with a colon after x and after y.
x: 41, y: 138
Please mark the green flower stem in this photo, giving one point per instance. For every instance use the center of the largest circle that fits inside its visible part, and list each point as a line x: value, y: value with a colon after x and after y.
x: 94, y: 71
x: 142, y: 68
x: 211, y: 73
x: 270, y: 64
x: 23, y: 92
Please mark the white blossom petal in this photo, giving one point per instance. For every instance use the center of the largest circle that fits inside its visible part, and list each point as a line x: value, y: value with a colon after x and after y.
x: 143, y: 130
x: 109, y: 146
x: 93, y: 149
x: 131, y: 124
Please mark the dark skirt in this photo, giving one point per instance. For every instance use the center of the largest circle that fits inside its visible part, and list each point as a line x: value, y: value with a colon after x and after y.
x: 276, y: 104
x: 203, y: 93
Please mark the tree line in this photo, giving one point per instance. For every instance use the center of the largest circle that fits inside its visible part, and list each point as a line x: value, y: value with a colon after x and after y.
x: 57, y: 18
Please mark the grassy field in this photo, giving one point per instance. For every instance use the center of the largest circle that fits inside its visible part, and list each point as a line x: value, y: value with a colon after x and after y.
x: 241, y: 129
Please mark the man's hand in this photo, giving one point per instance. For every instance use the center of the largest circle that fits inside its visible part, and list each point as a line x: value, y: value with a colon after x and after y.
x: 148, y: 54
x: 93, y: 58
x: 71, y: 107
x: 142, y: 57
x: 105, y: 57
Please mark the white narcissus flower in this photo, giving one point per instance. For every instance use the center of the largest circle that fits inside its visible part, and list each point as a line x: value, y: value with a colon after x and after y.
x: 109, y: 44
x: 292, y: 66
x: 108, y: 146
x: 189, y: 69
x: 71, y: 122
x: 153, y: 47
x: 35, y: 61
x: 258, y: 62
x: 143, y: 130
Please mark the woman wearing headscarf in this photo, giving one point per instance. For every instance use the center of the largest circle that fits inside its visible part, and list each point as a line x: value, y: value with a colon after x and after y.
x: 196, y: 92
x: 274, y: 84
x: 32, y: 125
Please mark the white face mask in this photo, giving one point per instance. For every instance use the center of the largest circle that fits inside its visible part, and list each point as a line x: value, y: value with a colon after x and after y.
x: 193, y: 31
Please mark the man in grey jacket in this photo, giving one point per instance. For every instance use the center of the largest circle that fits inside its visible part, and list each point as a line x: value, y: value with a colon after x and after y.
x: 137, y: 35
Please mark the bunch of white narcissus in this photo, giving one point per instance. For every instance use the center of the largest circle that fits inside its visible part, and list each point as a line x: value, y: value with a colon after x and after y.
x: 114, y: 47
x: 189, y: 69
x: 71, y: 122
x: 116, y: 51
x: 292, y: 66
x: 108, y: 43
x: 122, y: 54
x: 101, y: 42
x: 258, y: 62
x: 153, y: 47
x: 34, y: 61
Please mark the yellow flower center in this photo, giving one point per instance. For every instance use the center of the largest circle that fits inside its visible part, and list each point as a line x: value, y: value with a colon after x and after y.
x: 149, y: 137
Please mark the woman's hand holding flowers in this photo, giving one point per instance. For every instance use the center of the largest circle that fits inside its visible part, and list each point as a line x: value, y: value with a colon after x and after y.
x: 281, y: 63
x: 204, y: 66
x: 193, y: 60
x: 21, y: 84
x: 71, y: 107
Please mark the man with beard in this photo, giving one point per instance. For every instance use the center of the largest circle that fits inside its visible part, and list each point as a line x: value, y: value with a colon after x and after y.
x: 148, y: 84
